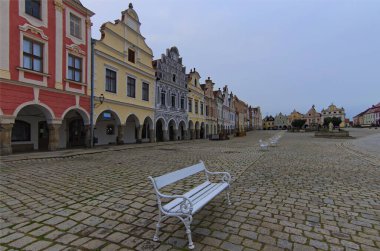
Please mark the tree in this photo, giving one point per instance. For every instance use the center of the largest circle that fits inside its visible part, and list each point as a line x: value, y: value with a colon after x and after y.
x: 298, y: 123
x: 335, y: 120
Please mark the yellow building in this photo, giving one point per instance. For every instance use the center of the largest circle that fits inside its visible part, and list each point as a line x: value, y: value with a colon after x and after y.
x: 196, y: 106
x: 294, y: 116
x: 124, y: 83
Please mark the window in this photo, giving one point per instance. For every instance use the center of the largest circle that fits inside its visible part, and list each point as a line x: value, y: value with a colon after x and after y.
x: 190, y: 105
x: 131, y: 56
x: 195, y: 81
x: 75, y: 26
x: 182, y: 103
x: 201, y: 108
x: 75, y: 68
x: 33, y: 8
x: 32, y: 55
x: 131, y: 87
x: 163, y: 97
x: 173, y: 100
x: 145, y: 91
x: 110, y: 130
x: 20, y: 131
x: 196, y: 107
x: 206, y: 110
x: 110, y: 81
x: 173, y: 77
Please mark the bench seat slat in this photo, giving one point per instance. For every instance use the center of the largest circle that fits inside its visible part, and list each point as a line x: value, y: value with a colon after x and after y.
x: 199, y: 196
x: 175, y: 176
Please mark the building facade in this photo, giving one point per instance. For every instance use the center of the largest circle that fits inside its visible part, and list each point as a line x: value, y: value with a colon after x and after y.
x: 196, y: 106
x: 313, y: 118
x: 333, y: 111
x: 171, y: 117
x: 124, y: 83
x: 219, y: 108
x: 268, y: 123
x: 228, y: 111
x: 257, y: 118
x: 280, y: 121
x: 294, y: 115
x: 210, y: 107
x: 241, y: 111
x: 372, y: 116
x: 45, y: 56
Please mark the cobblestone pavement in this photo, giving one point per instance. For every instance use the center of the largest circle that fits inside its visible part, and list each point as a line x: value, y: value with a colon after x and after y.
x: 306, y: 194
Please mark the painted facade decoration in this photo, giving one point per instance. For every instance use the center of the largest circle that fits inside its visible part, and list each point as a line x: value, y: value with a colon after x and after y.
x: 334, y: 111
x: 124, y: 83
x: 196, y: 106
x: 171, y: 117
x: 44, y: 75
x: 210, y: 107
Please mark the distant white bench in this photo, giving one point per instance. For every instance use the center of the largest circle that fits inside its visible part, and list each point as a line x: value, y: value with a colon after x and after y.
x: 186, y: 205
x: 264, y: 146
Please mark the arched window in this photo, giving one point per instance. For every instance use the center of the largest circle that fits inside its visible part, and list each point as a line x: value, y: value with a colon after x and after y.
x: 21, y: 131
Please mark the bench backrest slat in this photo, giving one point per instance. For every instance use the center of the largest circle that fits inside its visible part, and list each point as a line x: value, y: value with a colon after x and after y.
x: 175, y: 176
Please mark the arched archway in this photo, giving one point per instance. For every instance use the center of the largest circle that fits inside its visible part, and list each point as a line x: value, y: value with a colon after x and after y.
x: 202, y: 131
x: 147, y: 130
x: 32, y: 129
x: 132, y: 126
x: 172, y: 130
x: 182, y: 130
x: 75, y: 130
x: 108, y: 129
x: 160, y: 127
x: 197, y: 130
x: 191, y: 130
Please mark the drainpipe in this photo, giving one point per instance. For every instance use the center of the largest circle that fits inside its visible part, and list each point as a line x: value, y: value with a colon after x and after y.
x: 92, y: 94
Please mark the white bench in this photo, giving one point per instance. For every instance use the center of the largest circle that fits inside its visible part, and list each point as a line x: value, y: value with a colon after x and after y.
x: 186, y: 205
x: 264, y: 146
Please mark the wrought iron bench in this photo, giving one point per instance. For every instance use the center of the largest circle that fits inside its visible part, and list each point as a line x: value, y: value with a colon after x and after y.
x: 264, y: 146
x: 185, y: 206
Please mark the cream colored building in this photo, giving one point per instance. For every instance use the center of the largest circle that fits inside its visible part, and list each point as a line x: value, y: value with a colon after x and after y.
x: 124, y: 83
x: 196, y: 106
x: 334, y: 111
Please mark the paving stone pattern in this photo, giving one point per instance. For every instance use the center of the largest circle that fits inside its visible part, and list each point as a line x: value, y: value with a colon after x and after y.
x: 306, y: 194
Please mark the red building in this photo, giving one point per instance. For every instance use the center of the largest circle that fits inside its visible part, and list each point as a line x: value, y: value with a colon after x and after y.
x: 45, y: 52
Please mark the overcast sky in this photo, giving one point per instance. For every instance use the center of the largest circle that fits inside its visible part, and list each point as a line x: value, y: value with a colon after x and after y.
x: 278, y: 54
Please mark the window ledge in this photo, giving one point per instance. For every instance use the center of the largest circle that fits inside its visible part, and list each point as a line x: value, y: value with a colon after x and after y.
x: 34, y: 72
x: 75, y: 82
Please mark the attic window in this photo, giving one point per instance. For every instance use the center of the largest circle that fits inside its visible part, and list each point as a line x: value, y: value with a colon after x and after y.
x: 131, y: 56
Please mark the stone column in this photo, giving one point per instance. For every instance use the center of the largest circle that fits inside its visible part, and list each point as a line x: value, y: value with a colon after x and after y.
x: 139, y: 134
x: 198, y: 134
x: 87, y: 139
x: 186, y: 135
x: 120, y: 134
x: 5, y: 139
x: 53, y: 136
x: 165, y: 135
x: 152, y: 134
x: 175, y: 132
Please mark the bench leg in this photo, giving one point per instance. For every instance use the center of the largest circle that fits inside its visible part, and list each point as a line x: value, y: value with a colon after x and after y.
x: 187, y: 223
x: 155, y: 237
x: 228, y: 197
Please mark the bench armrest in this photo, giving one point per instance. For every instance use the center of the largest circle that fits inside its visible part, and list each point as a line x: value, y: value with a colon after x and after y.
x: 226, y: 177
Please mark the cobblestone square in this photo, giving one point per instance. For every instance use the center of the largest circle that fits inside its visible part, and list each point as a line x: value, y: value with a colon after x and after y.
x: 305, y: 194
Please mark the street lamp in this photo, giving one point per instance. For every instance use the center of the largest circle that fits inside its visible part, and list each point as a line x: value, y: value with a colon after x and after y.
x: 101, y: 98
